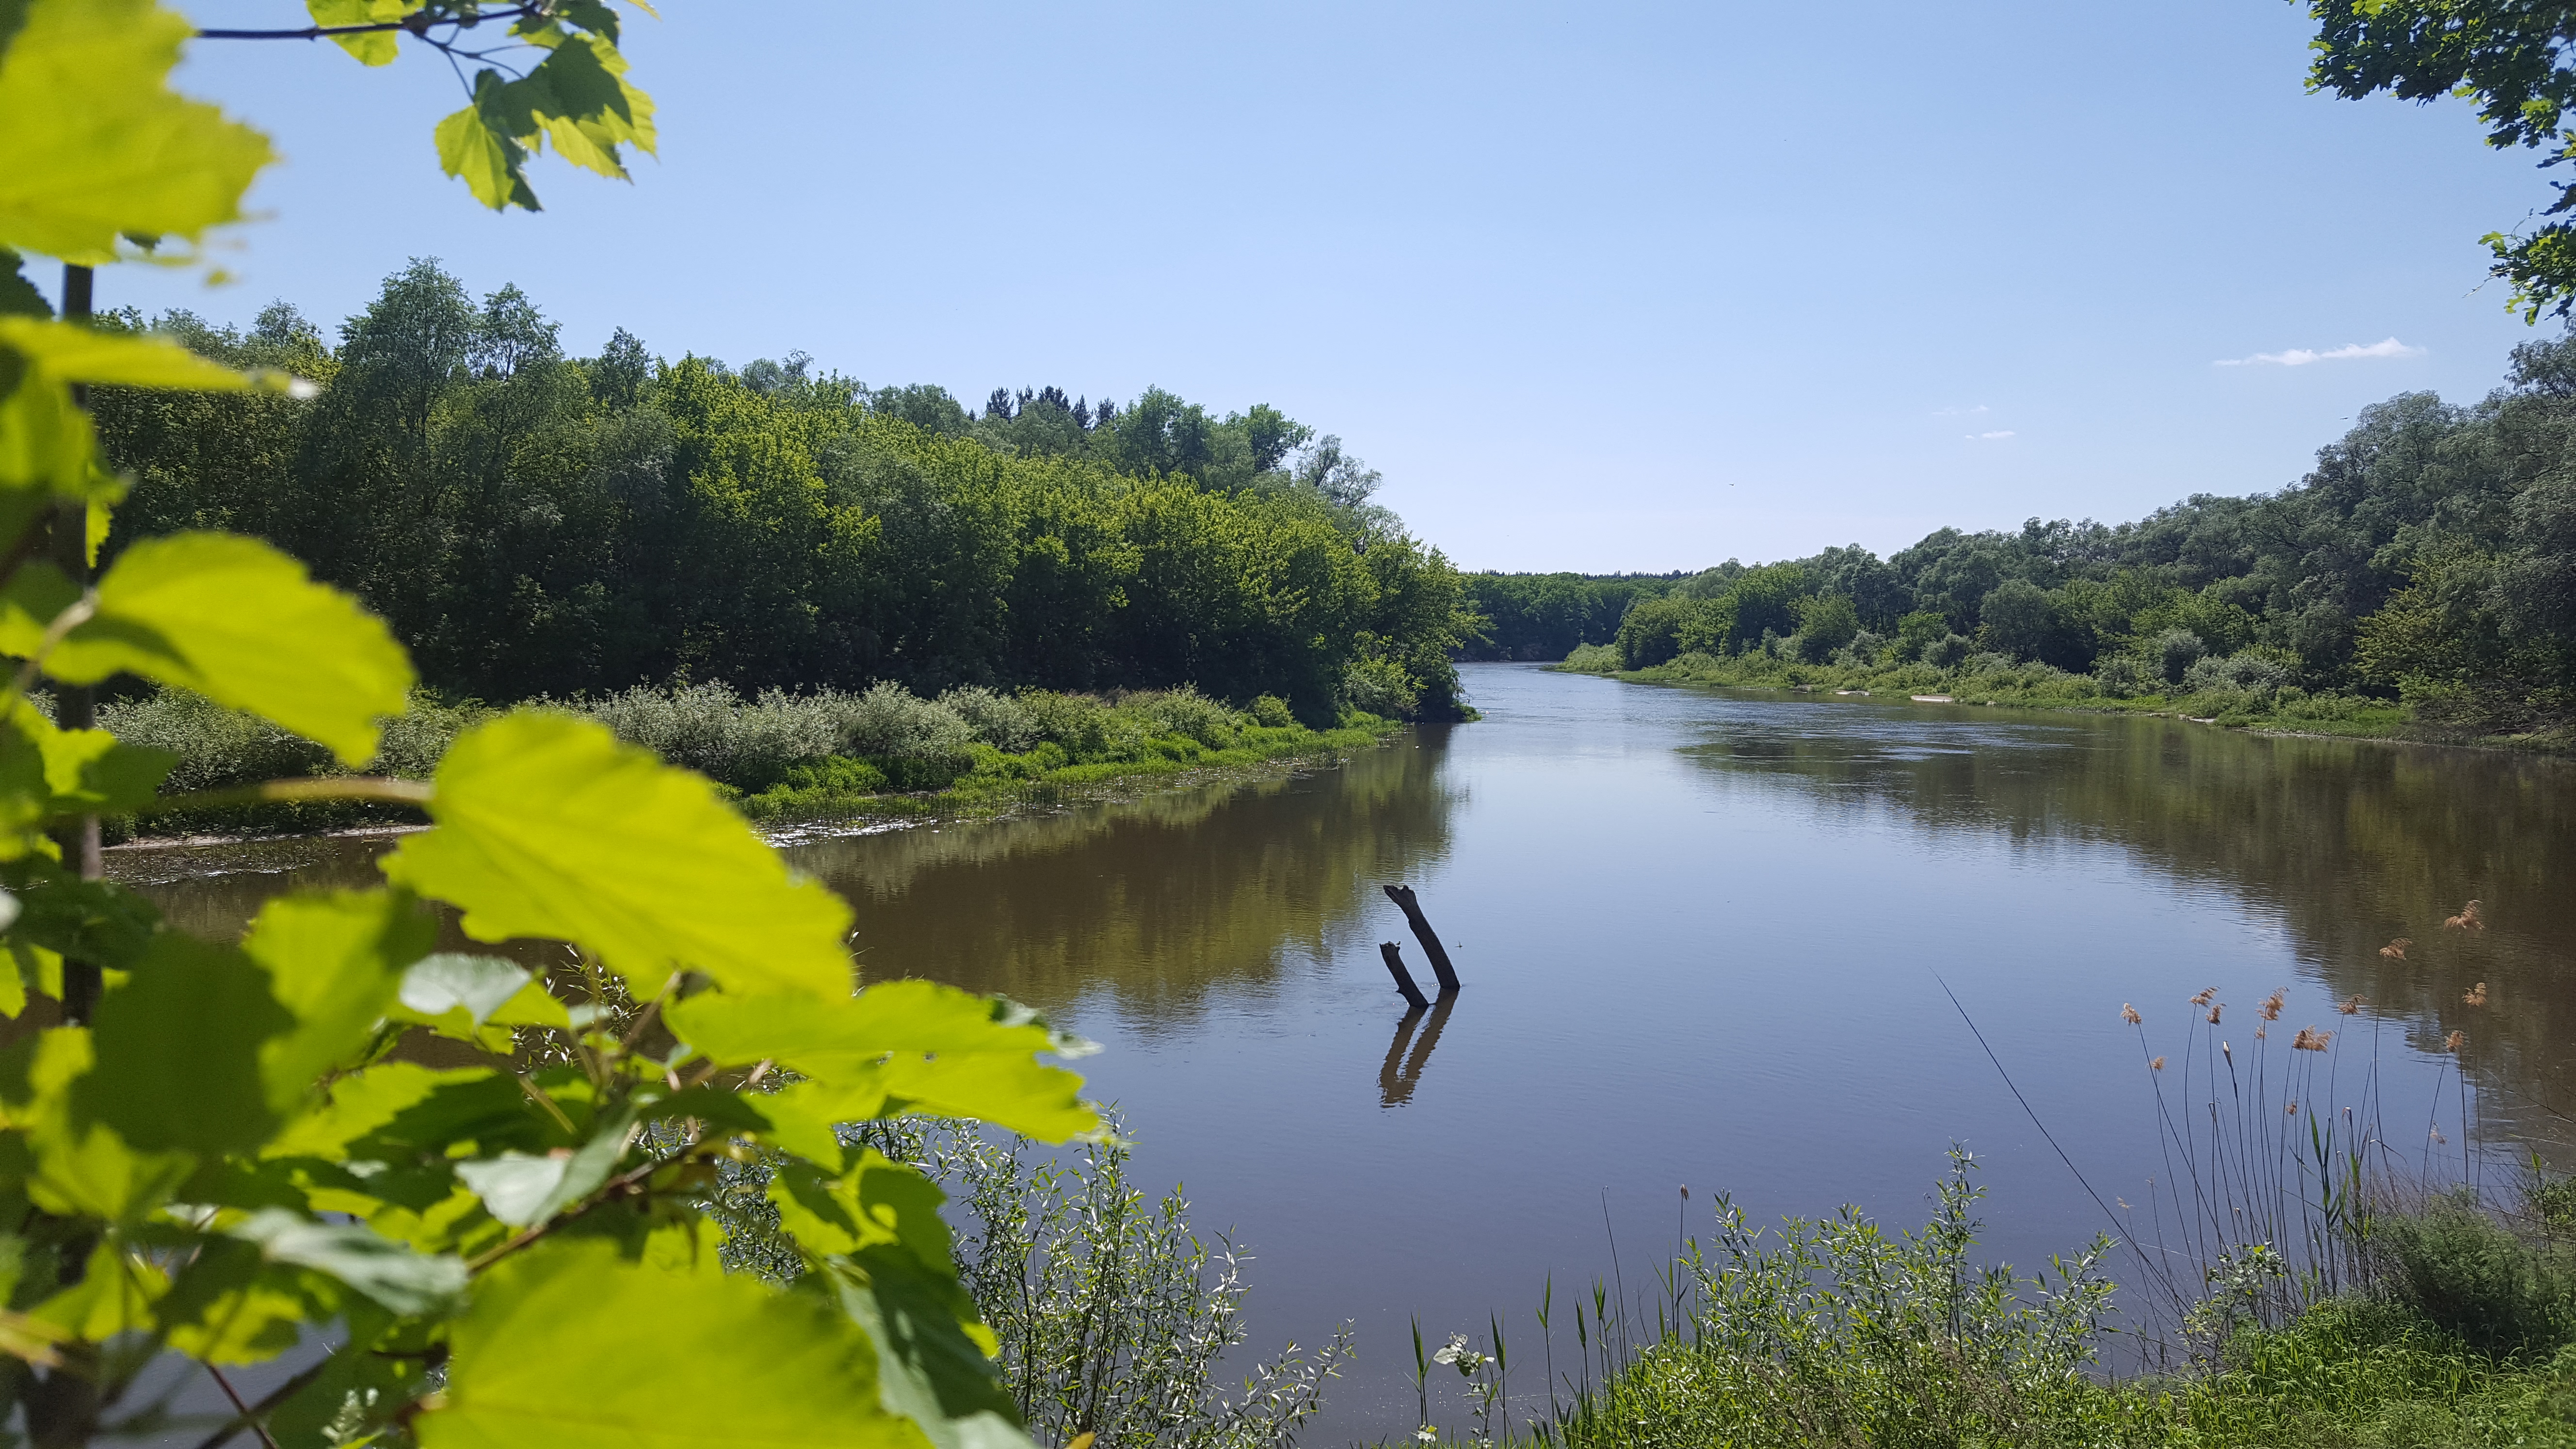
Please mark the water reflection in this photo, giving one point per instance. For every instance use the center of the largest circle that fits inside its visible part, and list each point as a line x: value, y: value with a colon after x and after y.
x: 2349, y: 844
x: 1155, y: 903
x: 1395, y: 1083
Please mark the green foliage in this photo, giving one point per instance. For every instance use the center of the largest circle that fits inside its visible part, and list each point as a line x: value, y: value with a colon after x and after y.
x: 2510, y: 59
x: 208, y: 1150
x: 2468, y: 1275
x: 535, y: 525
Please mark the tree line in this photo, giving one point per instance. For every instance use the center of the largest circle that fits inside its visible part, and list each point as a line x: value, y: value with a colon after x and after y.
x: 2429, y: 555
x: 537, y: 524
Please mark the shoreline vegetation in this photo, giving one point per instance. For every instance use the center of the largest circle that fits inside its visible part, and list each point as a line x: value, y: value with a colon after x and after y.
x: 883, y: 754
x: 2229, y: 704
x: 2418, y: 583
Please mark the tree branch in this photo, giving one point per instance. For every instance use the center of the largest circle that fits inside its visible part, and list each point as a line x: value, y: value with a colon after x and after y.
x: 329, y: 787
x: 418, y: 25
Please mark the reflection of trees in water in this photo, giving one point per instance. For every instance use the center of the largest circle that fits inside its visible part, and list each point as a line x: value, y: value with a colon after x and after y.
x: 2352, y: 843
x: 1157, y: 899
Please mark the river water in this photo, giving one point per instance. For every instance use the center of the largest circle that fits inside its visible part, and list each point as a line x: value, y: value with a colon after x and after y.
x: 1705, y: 939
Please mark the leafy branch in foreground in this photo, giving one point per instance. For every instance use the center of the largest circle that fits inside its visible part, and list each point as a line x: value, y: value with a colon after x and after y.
x: 213, y: 1151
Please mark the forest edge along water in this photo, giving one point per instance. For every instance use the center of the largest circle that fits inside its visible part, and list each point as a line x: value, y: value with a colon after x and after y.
x: 1700, y: 932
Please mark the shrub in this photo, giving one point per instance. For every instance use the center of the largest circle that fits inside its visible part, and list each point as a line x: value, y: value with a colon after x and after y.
x: 2251, y: 673
x: 2465, y: 1272
x: 995, y: 718
x: 1826, y: 622
x: 1593, y: 659
x: 1919, y: 631
x: 1651, y: 633
x: 217, y: 747
x: 2121, y: 676
x: 1948, y: 652
x: 2175, y: 651
x: 1271, y: 713
x: 889, y: 721
x: 1991, y: 662
x: 1380, y: 687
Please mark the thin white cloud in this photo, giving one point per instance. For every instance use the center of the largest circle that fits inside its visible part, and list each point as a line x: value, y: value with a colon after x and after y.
x: 1961, y: 412
x: 1987, y: 437
x: 2302, y: 356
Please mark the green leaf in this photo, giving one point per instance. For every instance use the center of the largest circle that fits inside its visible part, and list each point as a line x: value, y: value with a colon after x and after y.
x: 523, y: 1190
x: 335, y: 961
x: 487, y: 158
x: 229, y: 1306
x: 930, y: 1048
x: 86, y: 919
x: 179, y: 1051
x: 384, y: 1270
x: 479, y: 989
x: 548, y: 826
x: 115, y: 1295
x: 569, y: 1347
x: 933, y: 1364
x: 47, y: 772
x: 239, y: 622
x: 94, y: 146
x: 375, y: 47
x: 876, y: 1201
x: 67, y: 352
x: 362, y: 1102
x: 81, y: 1168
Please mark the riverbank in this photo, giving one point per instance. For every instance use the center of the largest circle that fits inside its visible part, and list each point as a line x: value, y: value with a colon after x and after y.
x: 784, y: 761
x: 1992, y: 680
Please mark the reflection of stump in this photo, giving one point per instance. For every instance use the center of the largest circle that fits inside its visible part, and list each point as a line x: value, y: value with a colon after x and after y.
x: 1431, y: 947
x: 1395, y: 1086
x: 1394, y: 955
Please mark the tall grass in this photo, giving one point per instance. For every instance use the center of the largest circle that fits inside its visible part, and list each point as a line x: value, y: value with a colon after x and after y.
x: 1112, y: 1315
x: 784, y: 756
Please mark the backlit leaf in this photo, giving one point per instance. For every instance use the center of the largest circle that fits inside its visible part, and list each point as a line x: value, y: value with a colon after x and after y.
x: 937, y: 1049
x: 481, y: 988
x: 334, y: 961
x: 523, y: 1190
x: 67, y: 352
x: 239, y: 622
x: 548, y: 826
x: 373, y: 47
x: 360, y: 1103
x: 179, y: 1050
x: 384, y: 1270
x: 487, y: 158
x: 81, y: 1167
x: 930, y: 1367
x: 569, y: 1347
x: 93, y: 144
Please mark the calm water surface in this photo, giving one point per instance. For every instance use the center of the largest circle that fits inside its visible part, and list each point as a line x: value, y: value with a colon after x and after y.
x: 1703, y: 938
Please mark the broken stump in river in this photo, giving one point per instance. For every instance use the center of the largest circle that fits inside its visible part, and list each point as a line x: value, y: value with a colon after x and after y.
x: 1431, y: 947
x: 1413, y: 996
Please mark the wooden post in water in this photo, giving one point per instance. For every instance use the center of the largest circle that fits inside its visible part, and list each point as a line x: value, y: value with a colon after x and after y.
x: 1431, y: 947
x: 1413, y: 996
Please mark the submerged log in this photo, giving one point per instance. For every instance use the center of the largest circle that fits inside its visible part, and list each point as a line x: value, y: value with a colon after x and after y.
x: 1413, y: 996
x: 1431, y: 947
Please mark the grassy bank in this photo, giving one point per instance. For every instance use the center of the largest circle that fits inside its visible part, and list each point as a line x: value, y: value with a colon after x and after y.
x: 784, y: 760
x: 1839, y: 1333
x: 2240, y: 696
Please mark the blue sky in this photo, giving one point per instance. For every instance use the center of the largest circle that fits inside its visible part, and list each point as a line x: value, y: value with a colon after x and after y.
x: 1598, y: 287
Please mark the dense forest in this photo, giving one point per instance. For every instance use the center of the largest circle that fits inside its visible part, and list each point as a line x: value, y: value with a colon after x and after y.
x: 2430, y: 555
x: 537, y: 524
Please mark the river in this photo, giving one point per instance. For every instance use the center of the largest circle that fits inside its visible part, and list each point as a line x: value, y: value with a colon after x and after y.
x: 1705, y: 939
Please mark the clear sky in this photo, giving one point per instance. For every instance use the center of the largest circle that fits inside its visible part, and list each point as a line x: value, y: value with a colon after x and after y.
x: 1598, y: 287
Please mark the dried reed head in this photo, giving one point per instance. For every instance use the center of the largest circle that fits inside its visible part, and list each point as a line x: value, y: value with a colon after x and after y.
x: 2455, y: 1041
x: 2470, y: 918
x: 2261, y: 1032
x: 2157, y: 1065
x: 2396, y: 950
x: 2129, y: 1014
x: 2477, y: 995
x: 2290, y: 1109
x: 2203, y: 998
x: 2310, y: 1039
x: 2214, y: 1010
x: 2272, y: 1004
x: 2350, y: 1006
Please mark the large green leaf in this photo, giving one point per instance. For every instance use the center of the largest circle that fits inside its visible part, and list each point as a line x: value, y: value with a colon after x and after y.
x: 46, y: 771
x: 924, y: 1046
x: 335, y: 961
x: 930, y: 1367
x: 547, y: 826
x: 93, y: 144
x: 568, y: 1346
x: 371, y: 47
x: 81, y: 1168
x: 522, y: 1189
x: 384, y: 1270
x: 478, y: 998
x: 364, y: 1101
x: 179, y: 1051
x: 232, y: 619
